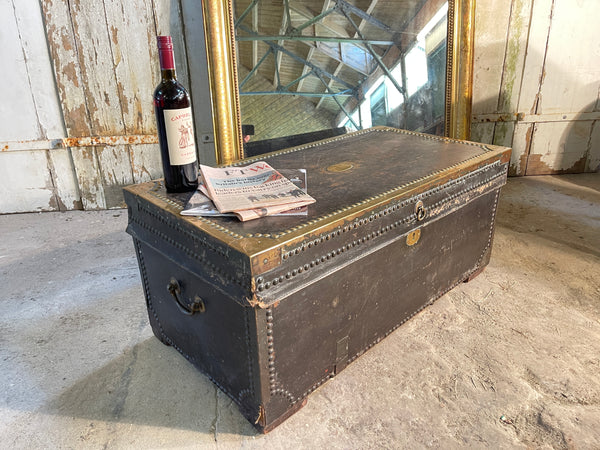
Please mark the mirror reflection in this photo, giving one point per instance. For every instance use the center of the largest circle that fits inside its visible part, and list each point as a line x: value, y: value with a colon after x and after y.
x: 313, y: 69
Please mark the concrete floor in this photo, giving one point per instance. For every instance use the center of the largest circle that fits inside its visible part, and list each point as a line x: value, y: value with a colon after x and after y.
x: 509, y: 360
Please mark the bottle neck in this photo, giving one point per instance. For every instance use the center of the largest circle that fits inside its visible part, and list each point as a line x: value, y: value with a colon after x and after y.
x: 168, y: 74
x: 167, y: 60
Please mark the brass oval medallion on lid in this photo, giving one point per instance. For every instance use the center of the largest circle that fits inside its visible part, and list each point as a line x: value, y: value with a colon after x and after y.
x: 343, y: 166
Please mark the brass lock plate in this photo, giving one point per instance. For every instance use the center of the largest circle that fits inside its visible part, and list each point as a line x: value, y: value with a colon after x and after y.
x: 413, y: 237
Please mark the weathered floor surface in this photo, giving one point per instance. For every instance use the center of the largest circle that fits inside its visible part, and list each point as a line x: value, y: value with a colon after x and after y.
x: 509, y: 360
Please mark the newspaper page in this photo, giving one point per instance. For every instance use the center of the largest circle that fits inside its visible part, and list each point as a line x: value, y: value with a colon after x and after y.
x: 201, y: 205
x: 255, y: 186
x: 280, y: 210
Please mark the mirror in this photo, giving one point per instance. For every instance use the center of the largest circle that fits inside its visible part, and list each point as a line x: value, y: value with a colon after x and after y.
x: 287, y: 72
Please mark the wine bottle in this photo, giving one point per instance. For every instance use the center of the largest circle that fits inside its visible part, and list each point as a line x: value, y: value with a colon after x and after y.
x: 172, y: 107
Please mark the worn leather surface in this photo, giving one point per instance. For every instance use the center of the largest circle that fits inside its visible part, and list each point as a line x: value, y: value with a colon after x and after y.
x: 273, y: 331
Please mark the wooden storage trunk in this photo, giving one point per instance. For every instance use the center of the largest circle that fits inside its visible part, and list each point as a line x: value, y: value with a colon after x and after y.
x: 272, y: 308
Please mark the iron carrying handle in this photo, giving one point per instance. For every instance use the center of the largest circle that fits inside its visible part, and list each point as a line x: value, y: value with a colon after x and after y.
x: 175, y: 290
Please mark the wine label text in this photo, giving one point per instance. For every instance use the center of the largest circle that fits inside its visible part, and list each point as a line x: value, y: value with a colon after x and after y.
x: 180, y: 136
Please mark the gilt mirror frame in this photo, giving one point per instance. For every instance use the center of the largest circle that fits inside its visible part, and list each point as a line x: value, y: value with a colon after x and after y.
x: 219, y: 34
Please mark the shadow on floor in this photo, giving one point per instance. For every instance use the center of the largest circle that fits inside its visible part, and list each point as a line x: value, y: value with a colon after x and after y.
x: 151, y: 384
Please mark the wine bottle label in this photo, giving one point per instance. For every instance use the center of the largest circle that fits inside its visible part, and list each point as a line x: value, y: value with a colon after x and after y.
x: 180, y: 136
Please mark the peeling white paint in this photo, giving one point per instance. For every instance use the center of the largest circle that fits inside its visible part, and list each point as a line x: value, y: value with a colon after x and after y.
x: 18, y: 117
x: 25, y: 182
x: 548, y: 95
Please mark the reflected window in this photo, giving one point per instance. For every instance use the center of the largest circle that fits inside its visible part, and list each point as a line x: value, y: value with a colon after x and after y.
x: 394, y: 97
x: 378, y: 106
x: 421, y: 107
x: 425, y: 54
x: 416, y: 68
x: 365, y: 113
x: 437, y: 77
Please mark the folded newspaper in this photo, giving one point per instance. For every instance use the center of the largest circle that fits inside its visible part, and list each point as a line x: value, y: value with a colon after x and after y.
x: 249, y: 192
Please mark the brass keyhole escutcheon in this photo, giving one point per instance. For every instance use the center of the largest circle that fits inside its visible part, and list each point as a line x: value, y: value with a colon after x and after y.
x: 413, y: 237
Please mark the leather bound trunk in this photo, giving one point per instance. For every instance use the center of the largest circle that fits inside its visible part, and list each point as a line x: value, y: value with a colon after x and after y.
x: 272, y: 308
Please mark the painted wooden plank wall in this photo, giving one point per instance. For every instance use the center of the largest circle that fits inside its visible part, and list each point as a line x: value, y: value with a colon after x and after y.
x: 537, y: 82
x: 107, y: 54
x: 77, y: 123
x: 35, y: 178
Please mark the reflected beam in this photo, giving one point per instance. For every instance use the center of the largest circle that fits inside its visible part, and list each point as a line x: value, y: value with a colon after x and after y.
x: 299, y: 94
x: 285, y: 23
x: 366, y: 17
x: 327, y: 88
x: 362, y: 24
x: 314, y: 67
x: 376, y: 57
x: 306, y: 38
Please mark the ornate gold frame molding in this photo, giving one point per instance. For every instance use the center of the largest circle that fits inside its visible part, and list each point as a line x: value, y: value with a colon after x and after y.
x: 223, y: 79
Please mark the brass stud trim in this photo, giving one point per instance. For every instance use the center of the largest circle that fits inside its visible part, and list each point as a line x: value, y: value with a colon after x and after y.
x: 411, y: 218
x: 345, y: 208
